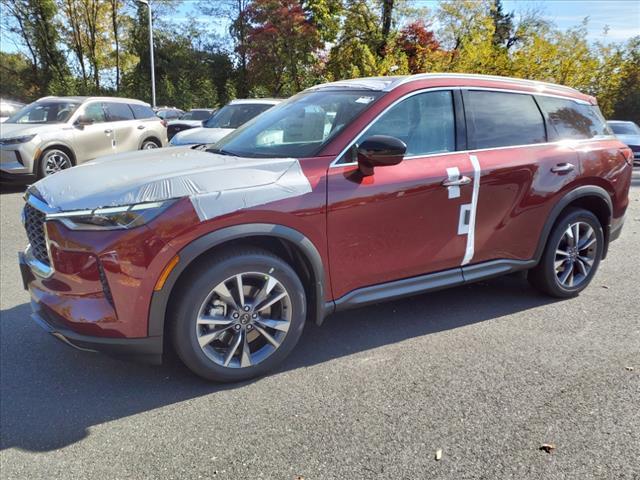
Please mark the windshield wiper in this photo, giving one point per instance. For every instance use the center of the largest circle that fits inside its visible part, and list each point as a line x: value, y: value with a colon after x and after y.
x: 221, y: 151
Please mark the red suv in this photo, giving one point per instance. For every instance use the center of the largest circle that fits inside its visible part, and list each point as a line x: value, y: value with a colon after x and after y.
x: 347, y: 194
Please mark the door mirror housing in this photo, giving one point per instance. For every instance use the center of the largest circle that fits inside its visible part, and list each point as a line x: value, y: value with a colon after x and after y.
x: 379, y: 151
x: 83, y: 121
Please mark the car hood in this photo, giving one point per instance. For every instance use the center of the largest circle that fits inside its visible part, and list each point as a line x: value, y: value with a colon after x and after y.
x: 629, y: 139
x: 216, y: 184
x: 200, y: 135
x: 11, y: 130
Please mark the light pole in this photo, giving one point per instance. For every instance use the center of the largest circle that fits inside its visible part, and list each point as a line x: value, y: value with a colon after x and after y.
x: 153, y: 72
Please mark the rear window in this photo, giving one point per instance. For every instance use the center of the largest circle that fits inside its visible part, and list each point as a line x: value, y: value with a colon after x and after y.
x: 572, y: 120
x: 142, y: 111
x: 497, y: 119
x: 118, y: 111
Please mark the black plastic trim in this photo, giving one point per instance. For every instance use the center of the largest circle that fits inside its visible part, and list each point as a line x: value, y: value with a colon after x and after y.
x: 494, y: 268
x: 160, y: 300
x: 147, y: 350
x: 580, y: 192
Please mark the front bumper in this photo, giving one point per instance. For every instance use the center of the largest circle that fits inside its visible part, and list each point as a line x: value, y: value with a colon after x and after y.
x: 17, y: 160
x: 147, y: 349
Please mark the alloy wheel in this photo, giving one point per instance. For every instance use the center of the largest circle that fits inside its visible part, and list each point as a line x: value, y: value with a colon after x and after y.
x: 244, y: 320
x: 575, y: 254
x: 149, y: 145
x: 56, y: 161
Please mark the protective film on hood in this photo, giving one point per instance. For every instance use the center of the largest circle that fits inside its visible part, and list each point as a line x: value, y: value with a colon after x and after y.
x: 216, y: 184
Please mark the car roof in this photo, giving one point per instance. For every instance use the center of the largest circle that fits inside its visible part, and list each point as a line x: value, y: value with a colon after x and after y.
x: 259, y: 101
x: 80, y: 99
x: 387, y: 84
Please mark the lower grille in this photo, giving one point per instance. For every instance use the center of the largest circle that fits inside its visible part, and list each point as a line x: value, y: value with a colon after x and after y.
x: 34, y: 225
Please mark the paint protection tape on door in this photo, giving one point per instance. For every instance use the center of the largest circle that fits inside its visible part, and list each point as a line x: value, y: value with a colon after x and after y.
x: 453, y: 191
x: 468, y: 254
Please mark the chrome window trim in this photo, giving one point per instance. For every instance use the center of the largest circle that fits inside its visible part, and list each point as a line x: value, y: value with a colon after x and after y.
x: 335, y: 163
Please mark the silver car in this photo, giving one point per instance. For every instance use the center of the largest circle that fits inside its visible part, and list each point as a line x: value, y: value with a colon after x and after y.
x: 629, y: 133
x: 224, y: 121
x: 55, y: 133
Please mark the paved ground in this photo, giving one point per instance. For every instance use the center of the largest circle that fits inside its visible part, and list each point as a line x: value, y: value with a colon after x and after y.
x: 487, y: 373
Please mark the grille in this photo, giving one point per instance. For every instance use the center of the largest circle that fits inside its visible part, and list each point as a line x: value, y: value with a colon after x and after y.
x: 34, y: 225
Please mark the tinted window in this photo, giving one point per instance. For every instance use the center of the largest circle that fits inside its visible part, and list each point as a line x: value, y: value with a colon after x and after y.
x: 572, y: 120
x: 232, y: 116
x: 497, y: 119
x: 142, y: 111
x: 118, y: 111
x: 425, y: 122
x: 196, y: 115
x: 95, y: 112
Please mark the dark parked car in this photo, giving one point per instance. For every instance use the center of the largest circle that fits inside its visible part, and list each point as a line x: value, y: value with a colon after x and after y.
x: 193, y: 118
x: 347, y: 194
x: 169, y: 113
x: 629, y: 134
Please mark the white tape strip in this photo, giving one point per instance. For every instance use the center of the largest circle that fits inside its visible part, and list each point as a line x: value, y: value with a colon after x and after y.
x: 454, y: 174
x: 468, y: 255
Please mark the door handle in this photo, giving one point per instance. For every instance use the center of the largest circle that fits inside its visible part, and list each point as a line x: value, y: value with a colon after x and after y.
x: 463, y: 180
x: 141, y: 127
x: 108, y: 131
x: 563, y: 168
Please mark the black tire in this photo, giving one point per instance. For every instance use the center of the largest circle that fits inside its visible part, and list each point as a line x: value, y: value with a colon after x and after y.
x: 149, y: 144
x: 195, y: 289
x: 544, y: 276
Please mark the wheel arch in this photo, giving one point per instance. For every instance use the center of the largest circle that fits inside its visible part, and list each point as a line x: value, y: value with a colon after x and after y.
x: 153, y: 138
x: 590, y: 197
x: 60, y: 146
x: 281, y: 240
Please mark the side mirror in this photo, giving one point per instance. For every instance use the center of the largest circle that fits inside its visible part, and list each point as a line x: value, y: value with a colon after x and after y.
x: 83, y: 121
x: 379, y: 151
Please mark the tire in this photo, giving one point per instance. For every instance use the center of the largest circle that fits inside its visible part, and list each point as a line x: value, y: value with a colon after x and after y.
x: 53, y: 161
x: 149, y: 145
x: 561, y: 260
x: 200, y: 300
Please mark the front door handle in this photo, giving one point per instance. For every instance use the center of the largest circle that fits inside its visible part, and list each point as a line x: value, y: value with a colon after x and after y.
x: 463, y: 180
x: 141, y: 127
x: 563, y: 168
x: 108, y: 131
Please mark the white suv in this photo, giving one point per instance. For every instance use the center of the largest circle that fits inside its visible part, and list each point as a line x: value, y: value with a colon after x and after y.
x: 55, y: 133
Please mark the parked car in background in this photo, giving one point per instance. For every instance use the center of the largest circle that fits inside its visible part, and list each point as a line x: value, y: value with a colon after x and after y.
x: 628, y: 133
x: 55, y: 133
x: 193, y: 118
x: 168, y: 113
x: 8, y: 108
x: 346, y: 194
x: 225, y: 121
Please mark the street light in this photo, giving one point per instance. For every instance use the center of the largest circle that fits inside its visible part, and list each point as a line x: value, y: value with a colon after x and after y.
x: 153, y: 73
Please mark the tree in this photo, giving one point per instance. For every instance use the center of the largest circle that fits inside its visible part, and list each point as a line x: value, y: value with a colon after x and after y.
x: 502, y: 24
x: 282, y: 44
x: 626, y: 104
x: 419, y: 44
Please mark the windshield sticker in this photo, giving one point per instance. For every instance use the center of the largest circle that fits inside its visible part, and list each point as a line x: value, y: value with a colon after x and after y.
x: 365, y: 100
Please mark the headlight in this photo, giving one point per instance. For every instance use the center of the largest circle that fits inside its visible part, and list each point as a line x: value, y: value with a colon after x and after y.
x: 14, y: 140
x: 112, y: 218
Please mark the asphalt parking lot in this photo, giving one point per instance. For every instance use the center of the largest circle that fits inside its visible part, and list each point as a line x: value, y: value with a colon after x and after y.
x: 486, y: 373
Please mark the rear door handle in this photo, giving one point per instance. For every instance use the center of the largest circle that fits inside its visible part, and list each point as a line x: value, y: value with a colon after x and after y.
x: 463, y: 180
x: 141, y: 127
x: 108, y: 131
x: 563, y: 168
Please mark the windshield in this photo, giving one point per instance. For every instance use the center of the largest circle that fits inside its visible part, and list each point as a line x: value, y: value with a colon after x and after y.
x: 625, y: 128
x: 196, y: 115
x: 299, y: 127
x: 232, y: 116
x: 45, y: 112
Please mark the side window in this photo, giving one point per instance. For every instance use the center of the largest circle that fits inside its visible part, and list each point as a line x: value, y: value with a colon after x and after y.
x: 142, y: 111
x: 118, y: 111
x: 425, y: 122
x: 572, y: 120
x: 95, y: 112
x: 497, y: 119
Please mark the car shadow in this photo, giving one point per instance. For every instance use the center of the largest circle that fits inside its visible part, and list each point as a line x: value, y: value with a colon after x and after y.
x: 52, y: 395
x: 12, y: 188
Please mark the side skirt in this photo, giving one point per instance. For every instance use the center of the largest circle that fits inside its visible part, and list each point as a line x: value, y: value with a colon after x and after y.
x: 430, y: 282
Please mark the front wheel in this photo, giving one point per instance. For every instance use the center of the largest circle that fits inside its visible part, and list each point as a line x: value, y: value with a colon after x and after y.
x: 54, y: 161
x: 571, y: 256
x: 238, y: 315
x: 149, y: 145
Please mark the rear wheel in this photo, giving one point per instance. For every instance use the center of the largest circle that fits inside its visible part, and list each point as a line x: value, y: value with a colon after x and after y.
x: 149, y: 144
x: 572, y: 255
x: 53, y: 161
x: 239, y: 315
